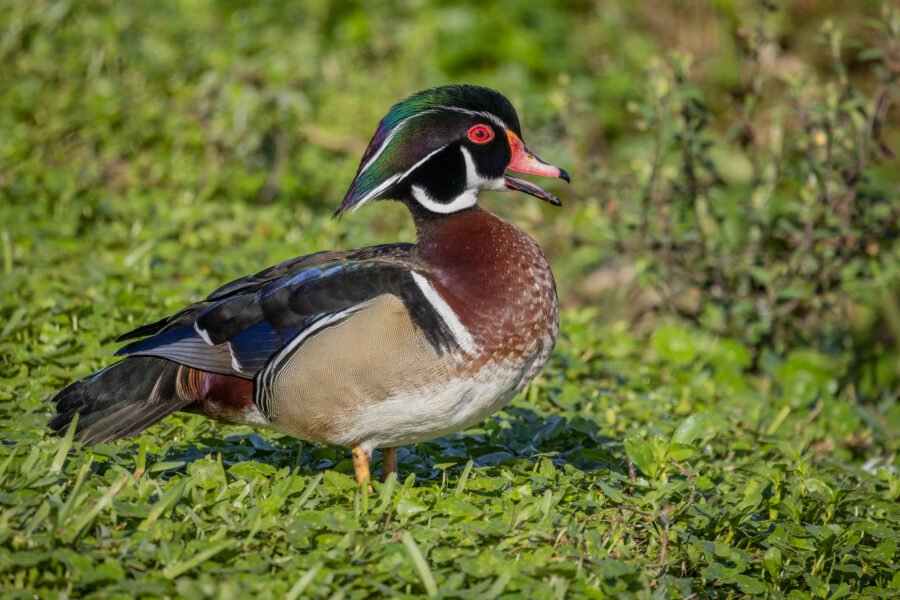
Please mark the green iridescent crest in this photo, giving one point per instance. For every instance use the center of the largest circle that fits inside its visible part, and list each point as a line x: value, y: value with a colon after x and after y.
x: 417, y: 128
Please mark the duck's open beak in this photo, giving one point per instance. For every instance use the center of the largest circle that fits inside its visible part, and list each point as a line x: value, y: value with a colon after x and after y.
x: 523, y: 161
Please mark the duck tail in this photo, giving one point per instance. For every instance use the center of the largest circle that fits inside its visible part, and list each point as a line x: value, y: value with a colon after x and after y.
x: 122, y: 399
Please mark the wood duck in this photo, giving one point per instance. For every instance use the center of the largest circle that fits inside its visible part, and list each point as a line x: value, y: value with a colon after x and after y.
x: 369, y: 348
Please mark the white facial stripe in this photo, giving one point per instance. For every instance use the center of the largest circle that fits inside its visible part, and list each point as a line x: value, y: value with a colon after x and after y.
x: 465, y: 200
x: 448, y: 316
x: 474, y: 183
x: 396, y: 129
x: 378, y: 189
x: 474, y: 179
x: 393, y: 179
x: 384, y: 144
x: 477, y: 113
x: 390, y: 137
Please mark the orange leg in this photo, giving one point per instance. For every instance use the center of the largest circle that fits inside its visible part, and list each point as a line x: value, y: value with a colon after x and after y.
x: 361, y: 460
x: 388, y: 462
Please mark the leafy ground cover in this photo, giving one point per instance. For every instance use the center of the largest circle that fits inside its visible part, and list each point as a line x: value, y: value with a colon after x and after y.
x: 735, y: 438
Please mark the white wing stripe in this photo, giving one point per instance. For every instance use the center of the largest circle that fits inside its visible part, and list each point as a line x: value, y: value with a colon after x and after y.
x: 203, y: 334
x: 235, y: 362
x: 270, y: 372
x: 450, y: 318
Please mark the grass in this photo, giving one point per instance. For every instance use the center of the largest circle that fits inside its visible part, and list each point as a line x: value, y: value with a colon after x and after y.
x: 744, y: 485
x: 153, y: 152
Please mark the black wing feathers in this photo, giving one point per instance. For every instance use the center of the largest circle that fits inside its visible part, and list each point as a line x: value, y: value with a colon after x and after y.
x: 240, y: 326
x: 120, y: 400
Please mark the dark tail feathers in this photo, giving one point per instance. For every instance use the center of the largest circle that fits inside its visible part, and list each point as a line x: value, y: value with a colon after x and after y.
x: 122, y: 399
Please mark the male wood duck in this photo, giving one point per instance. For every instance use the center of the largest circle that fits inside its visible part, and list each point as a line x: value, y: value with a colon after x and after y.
x: 369, y: 348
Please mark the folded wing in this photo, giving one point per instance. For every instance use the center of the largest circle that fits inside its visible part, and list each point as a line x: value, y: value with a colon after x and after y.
x: 241, y: 326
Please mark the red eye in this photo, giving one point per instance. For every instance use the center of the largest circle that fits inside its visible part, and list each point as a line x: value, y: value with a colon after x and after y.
x: 481, y: 134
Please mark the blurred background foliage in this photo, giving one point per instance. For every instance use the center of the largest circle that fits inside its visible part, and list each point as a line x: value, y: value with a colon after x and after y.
x: 732, y: 159
x: 728, y: 248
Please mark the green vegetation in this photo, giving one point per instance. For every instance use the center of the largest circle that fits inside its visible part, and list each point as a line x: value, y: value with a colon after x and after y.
x: 727, y: 254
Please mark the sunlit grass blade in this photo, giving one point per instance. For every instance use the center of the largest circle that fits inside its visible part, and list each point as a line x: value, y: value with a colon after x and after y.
x: 387, y: 492
x: 166, y: 501
x: 104, y: 501
x: 4, y: 466
x: 463, y: 478
x: 63, y: 515
x: 302, y: 583
x: 65, y: 444
x: 173, y: 571
x: 310, y: 490
x: 419, y: 563
x: 498, y: 587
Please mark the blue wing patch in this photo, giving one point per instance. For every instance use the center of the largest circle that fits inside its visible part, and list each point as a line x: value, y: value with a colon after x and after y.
x: 242, y: 325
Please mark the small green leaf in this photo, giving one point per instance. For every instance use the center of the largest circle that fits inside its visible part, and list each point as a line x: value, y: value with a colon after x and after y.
x: 642, y: 454
x: 772, y: 561
x: 681, y: 451
x: 611, y: 492
x: 674, y: 344
x: 691, y: 428
x: 410, y: 505
x: 750, y: 585
x: 169, y: 499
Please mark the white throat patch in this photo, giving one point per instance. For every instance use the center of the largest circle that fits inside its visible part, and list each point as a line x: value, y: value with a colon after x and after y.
x: 469, y: 197
x: 465, y: 200
x: 474, y: 180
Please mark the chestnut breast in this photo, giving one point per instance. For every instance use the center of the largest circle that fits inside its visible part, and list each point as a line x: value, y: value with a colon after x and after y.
x: 495, y: 278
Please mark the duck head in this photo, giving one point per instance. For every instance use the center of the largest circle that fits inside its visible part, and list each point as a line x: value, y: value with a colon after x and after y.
x: 438, y: 148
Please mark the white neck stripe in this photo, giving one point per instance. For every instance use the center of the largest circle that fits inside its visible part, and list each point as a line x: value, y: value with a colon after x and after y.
x: 465, y: 200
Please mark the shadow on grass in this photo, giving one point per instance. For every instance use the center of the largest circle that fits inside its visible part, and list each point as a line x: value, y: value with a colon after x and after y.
x: 516, y: 438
